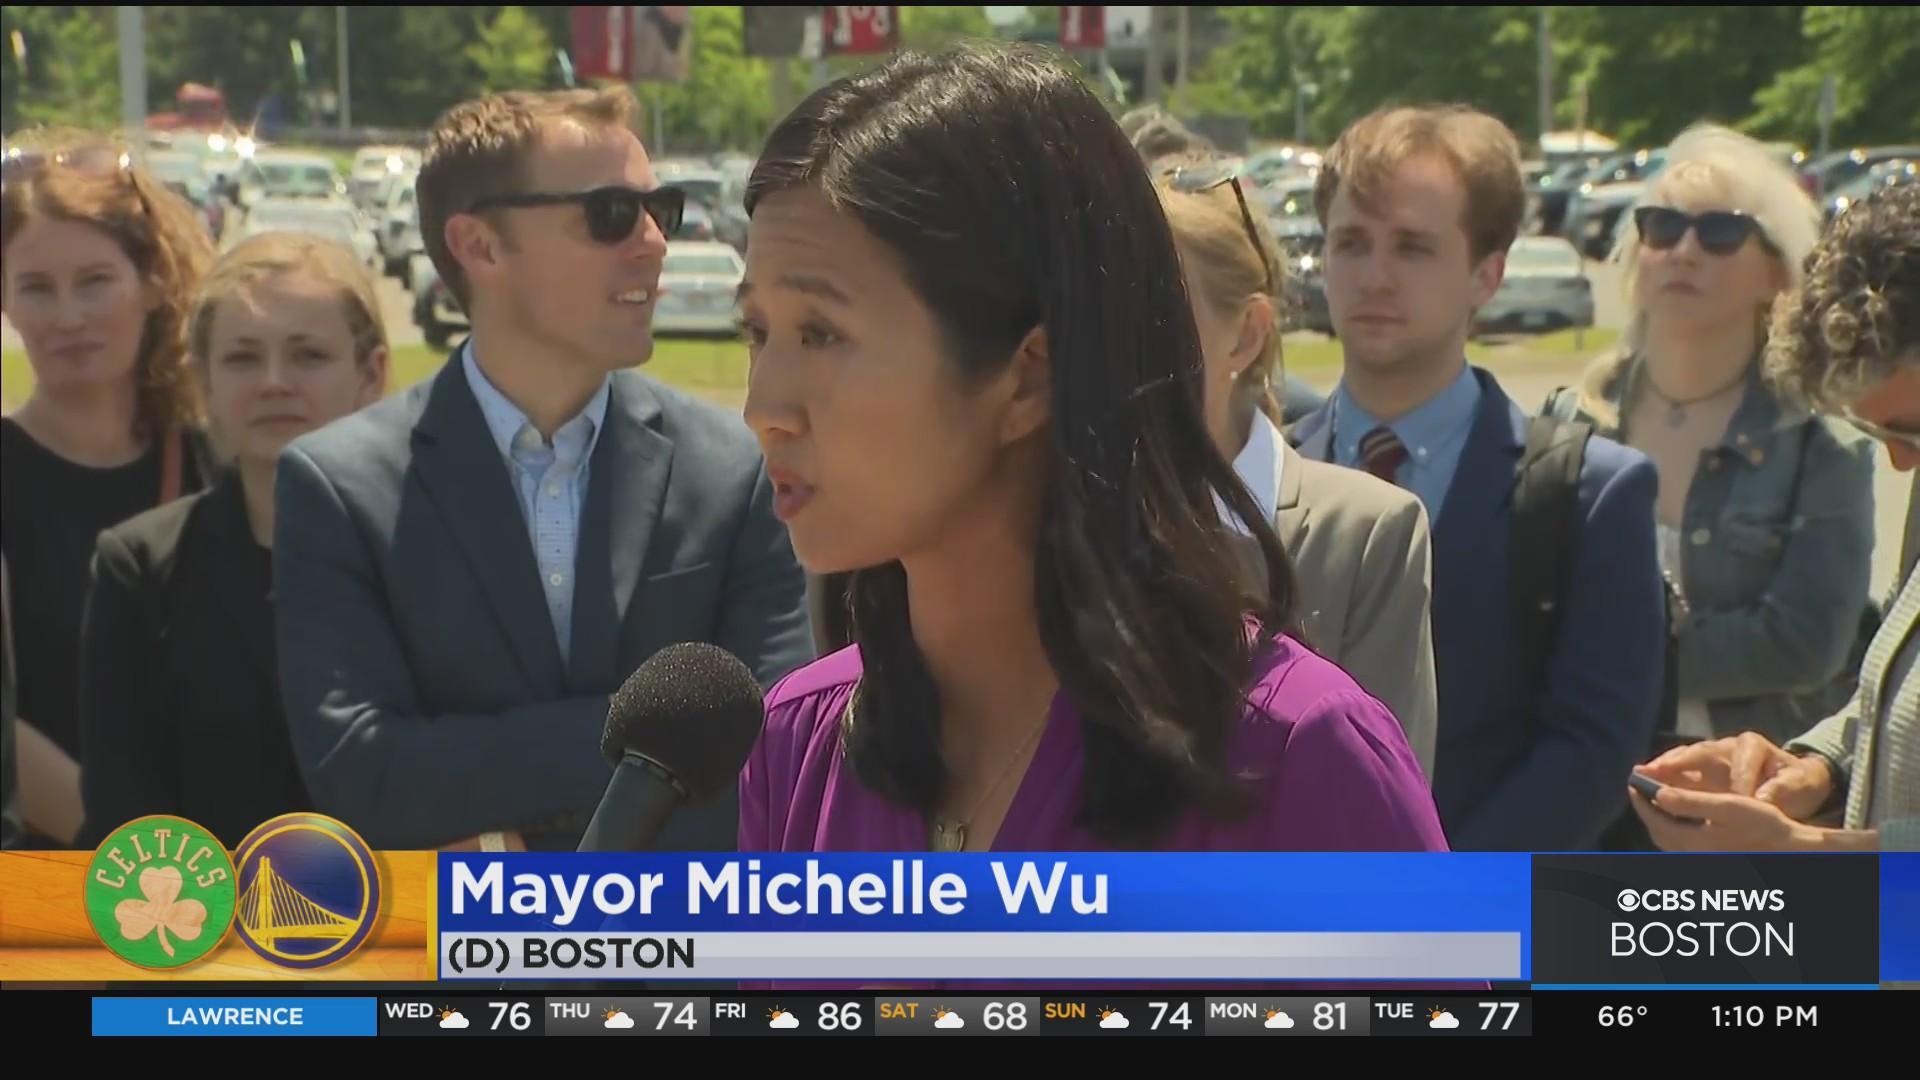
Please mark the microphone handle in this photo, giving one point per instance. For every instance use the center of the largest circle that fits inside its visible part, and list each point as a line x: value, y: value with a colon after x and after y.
x: 638, y: 801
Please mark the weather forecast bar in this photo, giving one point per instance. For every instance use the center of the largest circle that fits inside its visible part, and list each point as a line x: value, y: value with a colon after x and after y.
x: 880, y: 956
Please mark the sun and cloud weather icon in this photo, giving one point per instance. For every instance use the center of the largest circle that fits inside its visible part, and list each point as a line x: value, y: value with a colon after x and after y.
x: 1442, y: 1020
x: 1278, y: 1020
x: 781, y: 1020
x: 1112, y: 1019
x: 453, y: 1020
x: 617, y: 1019
x: 947, y: 1020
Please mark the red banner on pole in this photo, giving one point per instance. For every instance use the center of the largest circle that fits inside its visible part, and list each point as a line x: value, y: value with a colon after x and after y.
x: 852, y: 30
x: 1083, y: 27
x: 603, y: 42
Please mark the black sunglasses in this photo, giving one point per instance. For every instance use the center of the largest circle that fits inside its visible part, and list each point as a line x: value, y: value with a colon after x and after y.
x: 612, y: 212
x: 1202, y: 178
x: 1721, y: 232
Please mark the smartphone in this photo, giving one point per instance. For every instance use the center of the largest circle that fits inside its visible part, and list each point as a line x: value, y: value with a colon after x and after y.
x: 1648, y: 787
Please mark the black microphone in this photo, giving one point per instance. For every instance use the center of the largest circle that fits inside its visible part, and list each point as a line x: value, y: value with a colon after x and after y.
x: 678, y: 731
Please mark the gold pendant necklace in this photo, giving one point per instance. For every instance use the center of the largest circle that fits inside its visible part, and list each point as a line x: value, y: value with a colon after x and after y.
x: 951, y: 836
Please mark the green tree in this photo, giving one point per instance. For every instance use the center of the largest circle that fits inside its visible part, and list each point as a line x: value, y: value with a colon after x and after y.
x: 513, y: 52
x: 1874, y: 56
x: 72, y: 67
x: 1655, y: 70
x: 726, y: 101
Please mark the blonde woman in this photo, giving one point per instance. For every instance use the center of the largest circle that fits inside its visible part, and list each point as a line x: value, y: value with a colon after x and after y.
x: 1765, y: 511
x: 179, y: 679
x: 1359, y: 544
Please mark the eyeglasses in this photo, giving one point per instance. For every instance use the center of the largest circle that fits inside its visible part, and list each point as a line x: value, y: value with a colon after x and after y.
x: 1908, y: 439
x: 1196, y: 179
x: 1721, y: 232
x: 612, y: 212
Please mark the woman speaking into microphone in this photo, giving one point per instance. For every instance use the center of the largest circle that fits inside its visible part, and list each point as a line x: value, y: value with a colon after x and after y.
x: 978, y: 386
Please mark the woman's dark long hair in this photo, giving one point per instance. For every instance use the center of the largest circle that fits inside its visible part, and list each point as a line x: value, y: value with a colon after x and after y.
x: 1013, y: 200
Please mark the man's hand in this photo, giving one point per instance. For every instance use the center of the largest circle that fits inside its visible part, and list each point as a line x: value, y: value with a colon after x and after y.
x: 1749, y: 765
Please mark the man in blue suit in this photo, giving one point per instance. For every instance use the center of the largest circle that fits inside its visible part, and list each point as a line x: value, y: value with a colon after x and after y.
x: 1420, y: 206
x: 465, y: 572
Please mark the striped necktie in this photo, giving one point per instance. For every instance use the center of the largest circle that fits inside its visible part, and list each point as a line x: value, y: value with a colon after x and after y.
x: 1382, y: 453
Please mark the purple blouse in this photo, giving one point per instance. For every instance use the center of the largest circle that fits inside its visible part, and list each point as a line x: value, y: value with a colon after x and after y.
x: 1330, y: 768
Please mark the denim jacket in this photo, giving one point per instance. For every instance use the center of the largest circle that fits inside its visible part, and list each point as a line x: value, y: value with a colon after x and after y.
x: 1777, y: 545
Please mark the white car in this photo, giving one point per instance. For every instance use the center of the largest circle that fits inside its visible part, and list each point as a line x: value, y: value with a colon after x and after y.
x: 697, y: 289
x: 334, y: 219
x: 374, y: 166
x: 282, y: 174
x: 1545, y: 288
x: 397, y: 225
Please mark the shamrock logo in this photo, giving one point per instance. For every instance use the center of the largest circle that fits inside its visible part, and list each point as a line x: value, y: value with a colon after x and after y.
x: 160, y: 892
x: 161, y: 911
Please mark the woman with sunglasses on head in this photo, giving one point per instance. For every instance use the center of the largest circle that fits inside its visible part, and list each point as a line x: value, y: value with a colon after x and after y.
x: 1765, y: 511
x: 1847, y: 341
x: 979, y: 388
x: 99, y: 259
x: 1358, y: 543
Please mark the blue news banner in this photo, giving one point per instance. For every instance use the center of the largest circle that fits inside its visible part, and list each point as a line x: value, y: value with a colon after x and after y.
x: 1048, y: 917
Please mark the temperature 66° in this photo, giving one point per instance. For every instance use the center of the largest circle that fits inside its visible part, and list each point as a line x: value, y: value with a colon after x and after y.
x: 1621, y: 1015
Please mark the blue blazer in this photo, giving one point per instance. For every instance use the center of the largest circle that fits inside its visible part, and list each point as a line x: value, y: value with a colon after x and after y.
x: 426, y: 694
x: 1527, y: 764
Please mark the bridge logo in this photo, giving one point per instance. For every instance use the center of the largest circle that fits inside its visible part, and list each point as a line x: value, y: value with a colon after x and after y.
x: 309, y: 891
x: 160, y: 892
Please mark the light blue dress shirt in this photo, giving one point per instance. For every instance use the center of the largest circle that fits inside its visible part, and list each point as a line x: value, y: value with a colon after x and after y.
x: 549, y: 483
x: 1434, y: 434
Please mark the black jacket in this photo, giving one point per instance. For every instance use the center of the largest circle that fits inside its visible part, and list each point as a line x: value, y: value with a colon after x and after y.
x: 179, y: 693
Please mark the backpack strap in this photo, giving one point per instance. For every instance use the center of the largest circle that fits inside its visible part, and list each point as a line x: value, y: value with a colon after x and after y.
x: 1546, y: 533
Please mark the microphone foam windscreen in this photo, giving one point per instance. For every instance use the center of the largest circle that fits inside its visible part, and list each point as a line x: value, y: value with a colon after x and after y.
x: 694, y: 709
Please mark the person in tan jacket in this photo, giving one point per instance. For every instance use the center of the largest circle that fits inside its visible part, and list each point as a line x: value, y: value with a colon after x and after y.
x: 1359, y: 544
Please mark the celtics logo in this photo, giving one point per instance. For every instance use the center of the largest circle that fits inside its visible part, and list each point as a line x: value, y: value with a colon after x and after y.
x: 160, y: 892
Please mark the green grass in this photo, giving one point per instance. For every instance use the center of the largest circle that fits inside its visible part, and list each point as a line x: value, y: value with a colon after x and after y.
x: 718, y: 368
x: 711, y: 368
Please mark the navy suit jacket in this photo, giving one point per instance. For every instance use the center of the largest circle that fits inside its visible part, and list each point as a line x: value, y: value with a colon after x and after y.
x: 426, y: 693
x: 1525, y: 764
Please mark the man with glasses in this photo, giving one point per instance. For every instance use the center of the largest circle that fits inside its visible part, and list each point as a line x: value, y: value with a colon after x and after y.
x: 1545, y: 701
x: 465, y: 572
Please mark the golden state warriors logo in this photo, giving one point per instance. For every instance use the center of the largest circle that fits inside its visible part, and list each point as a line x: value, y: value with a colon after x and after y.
x: 309, y: 891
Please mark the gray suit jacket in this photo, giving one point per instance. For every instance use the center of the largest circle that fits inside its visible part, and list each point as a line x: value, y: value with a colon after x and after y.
x: 1876, y: 756
x: 424, y: 687
x: 1360, y: 552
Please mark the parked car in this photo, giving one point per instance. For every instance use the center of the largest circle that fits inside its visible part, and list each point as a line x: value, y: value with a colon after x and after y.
x: 281, y: 174
x: 1614, y: 186
x: 1828, y: 173
x: 435, y: 311
x: 180, y: 171
x: 721, y: 199
x: 1545, y: 288
x: 697, y: 289
x: 336, y: 220
x: 397, y: 226
x: 1891, y: 173
x: 1302, y: 247
x: 374, y: 168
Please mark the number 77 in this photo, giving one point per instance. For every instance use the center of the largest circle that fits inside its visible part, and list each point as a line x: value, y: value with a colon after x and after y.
x: 1493, y: 1009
